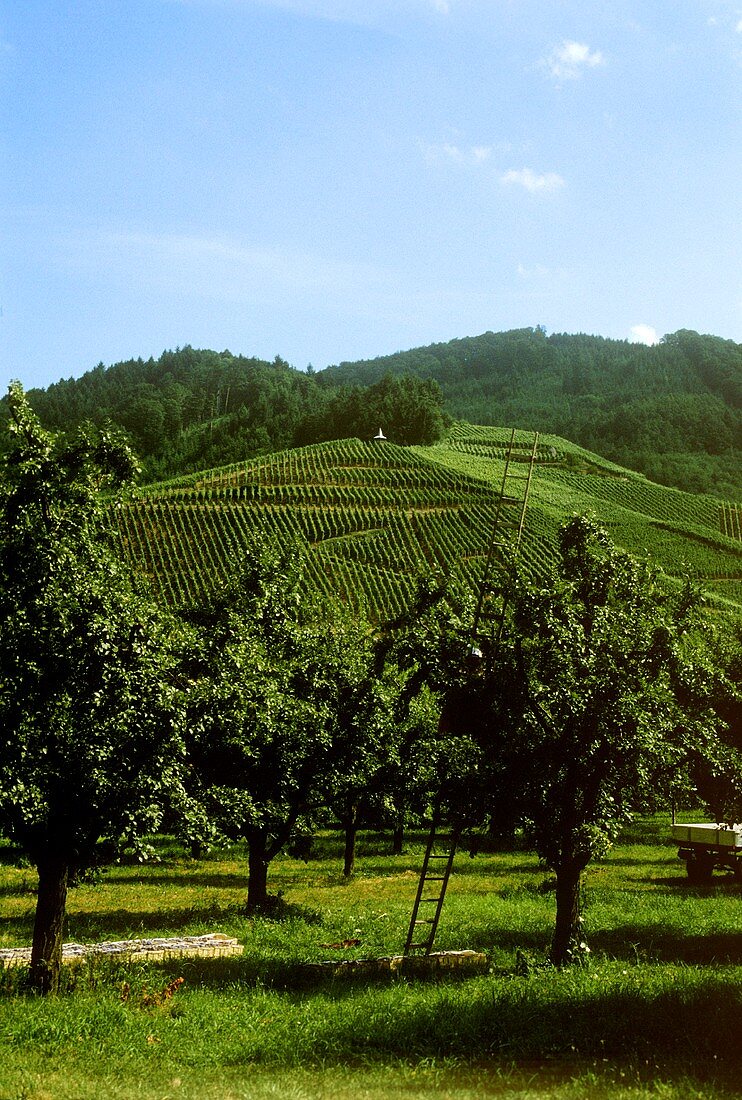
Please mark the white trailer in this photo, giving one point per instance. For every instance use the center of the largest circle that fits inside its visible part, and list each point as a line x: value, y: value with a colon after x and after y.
x: 706, y: 845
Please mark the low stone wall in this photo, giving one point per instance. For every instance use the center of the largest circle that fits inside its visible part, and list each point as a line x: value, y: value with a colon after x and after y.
x: 214, y: 945
x: 438, y: 962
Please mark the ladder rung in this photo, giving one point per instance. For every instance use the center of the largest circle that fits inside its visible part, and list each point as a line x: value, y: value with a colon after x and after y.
x: 427, y: 920
x: 429, y: 900
x: 414, y: 946
x: 434, y: 878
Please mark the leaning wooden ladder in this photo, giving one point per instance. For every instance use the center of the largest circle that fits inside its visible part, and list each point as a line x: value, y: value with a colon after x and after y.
x: 505, y: 540
x: 436, y: 870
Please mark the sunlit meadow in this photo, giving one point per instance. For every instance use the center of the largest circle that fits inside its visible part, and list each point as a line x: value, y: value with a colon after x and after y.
x: 655, y: 1012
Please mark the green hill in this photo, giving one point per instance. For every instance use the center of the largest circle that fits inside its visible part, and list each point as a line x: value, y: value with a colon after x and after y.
x: 375, y: 514
x: 673, y: 411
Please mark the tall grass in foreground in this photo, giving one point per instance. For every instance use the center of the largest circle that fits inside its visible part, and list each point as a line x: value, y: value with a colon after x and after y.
x: 658, y: 1012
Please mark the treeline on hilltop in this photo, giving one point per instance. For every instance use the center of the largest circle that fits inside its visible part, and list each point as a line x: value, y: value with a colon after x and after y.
x: 192, y: 409
x: 672, y: 411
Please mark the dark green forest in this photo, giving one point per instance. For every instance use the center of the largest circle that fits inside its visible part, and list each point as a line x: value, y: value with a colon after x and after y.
x: 193, y: 409
x: 672, y: 411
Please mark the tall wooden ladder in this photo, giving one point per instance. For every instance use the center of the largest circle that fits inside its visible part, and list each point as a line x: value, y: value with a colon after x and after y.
x: 505, y: 538
x: 431, y: 890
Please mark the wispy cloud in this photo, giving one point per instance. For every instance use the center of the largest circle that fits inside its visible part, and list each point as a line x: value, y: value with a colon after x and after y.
x: 644, y: 334
x: 569, y: 60
x: 448, y: 152
x: 454, y: 152
x: 538, y: 271
x: 212, y: 267
x: 532, y: 181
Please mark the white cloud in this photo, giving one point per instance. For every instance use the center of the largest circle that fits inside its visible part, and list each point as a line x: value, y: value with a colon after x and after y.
x: 533, y: 181
x: 644, y: 334
x: 538, y: 271
x: 446, y: 152
x: 569, y: 60
x: 738, y: 28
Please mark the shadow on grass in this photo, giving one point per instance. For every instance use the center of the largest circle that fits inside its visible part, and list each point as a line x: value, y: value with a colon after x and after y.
x: 692, y: 1031
x: 653, y: 943
x: 689, y: 1031
x: 124, y: 923
x: 13, y: 857
x: 18, y: 889
x: 682, y: 884
x: 186, y: 876
x: 630, y: 942
x: 295, y: 975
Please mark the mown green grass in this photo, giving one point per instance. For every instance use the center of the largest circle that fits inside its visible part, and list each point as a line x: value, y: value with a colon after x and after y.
x: 656, y: 1013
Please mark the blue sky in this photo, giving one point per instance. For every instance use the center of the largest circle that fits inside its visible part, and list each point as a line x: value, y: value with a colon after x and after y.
x: 337, y: 179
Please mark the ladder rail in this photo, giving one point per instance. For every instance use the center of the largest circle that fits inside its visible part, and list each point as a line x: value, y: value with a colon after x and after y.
x: 497, y: 544
x: 495, y: 550
x: 430, y: 923
x: 491, y: 548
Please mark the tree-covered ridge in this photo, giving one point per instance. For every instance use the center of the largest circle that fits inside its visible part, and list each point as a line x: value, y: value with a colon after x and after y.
x: 192, y: 409
x: 373, y: 515
x: 673, y: 411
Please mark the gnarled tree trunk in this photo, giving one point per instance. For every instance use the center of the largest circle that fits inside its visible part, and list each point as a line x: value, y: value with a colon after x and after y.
x: 567, y: 927
x: 257, y: 870
x: 349, y: 854
x: 51, y: 903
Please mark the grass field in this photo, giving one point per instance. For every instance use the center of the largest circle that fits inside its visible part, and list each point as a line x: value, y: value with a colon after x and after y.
x: 656, y: 1013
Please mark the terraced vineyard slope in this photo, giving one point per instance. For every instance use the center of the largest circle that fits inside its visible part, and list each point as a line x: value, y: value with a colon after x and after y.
x: 374, y: 515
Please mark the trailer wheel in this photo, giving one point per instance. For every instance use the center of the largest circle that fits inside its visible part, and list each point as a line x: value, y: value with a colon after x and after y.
x: 700, y: 870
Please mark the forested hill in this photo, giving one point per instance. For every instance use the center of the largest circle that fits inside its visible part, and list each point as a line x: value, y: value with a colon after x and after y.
x: 193, y: 409
x: 672, y: 411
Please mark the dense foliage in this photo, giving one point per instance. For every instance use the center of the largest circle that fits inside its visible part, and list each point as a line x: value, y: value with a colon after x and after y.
x: 286, y: 713
x: 192, y: 409
x: 89, y: 741
x: 586, y: 705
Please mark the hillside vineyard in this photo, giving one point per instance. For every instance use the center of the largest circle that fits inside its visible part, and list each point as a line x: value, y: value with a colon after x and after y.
x: 375, y: 515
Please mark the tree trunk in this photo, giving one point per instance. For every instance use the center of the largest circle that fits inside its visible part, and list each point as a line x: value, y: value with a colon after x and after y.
x: 257, y: 870
x: 51, y: 902
x: 398, y: 839
x: 349, y: 855
x: 567, y: 926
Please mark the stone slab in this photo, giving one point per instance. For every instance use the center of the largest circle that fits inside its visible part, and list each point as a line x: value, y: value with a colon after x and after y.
x: 213, y: 945
x: 438, y: 962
